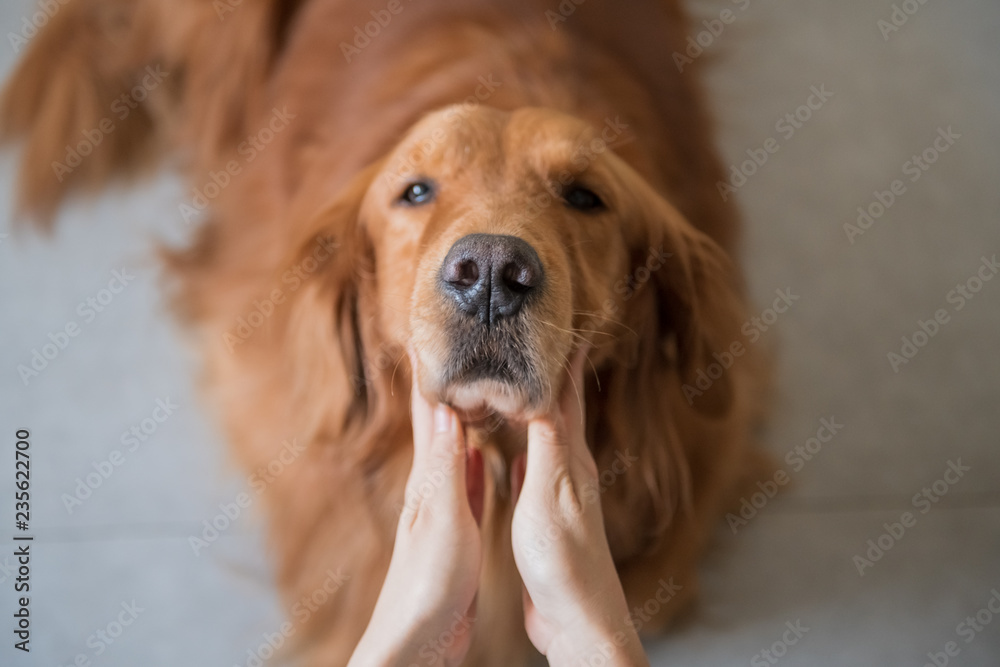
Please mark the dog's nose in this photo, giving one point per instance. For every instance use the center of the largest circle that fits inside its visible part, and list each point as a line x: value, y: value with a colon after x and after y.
x: 491, y: 275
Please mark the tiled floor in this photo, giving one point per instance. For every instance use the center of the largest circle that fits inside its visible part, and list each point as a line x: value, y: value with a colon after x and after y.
x: 795, y: 562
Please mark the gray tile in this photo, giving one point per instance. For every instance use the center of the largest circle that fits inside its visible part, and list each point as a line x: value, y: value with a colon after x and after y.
x: 179, y: 609
x: 858, y: 300
x: 799, y: 567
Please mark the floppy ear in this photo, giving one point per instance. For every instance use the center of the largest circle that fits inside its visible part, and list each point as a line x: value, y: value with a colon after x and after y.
x: 332, y: 336
x: 691, y: 309
x: 651, y: 414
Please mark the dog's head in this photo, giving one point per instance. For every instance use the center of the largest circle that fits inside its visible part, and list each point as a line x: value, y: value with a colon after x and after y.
x: 489, y: 244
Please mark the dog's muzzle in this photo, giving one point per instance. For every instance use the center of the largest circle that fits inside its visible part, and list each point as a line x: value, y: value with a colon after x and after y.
x: 492, y: 279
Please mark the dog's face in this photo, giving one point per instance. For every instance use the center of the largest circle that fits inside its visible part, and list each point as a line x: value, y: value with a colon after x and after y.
x: 489, y: 244
x: 493, y: 232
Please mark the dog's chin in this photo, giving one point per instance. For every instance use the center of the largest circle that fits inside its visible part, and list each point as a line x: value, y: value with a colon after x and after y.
x: 487, y: 399
x: 487, y: 377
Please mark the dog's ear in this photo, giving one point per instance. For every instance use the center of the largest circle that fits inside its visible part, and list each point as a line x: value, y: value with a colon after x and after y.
x: 680, y: 307
x: 106, y: 83
x: 332, y: 334
x: 689, y: 305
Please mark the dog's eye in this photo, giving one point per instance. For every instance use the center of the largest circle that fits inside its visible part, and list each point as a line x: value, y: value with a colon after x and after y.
x: 417, y: 193
x: 582, y: 199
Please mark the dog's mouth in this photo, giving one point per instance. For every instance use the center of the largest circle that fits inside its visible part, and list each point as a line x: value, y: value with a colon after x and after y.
x: 492, y: 372
x: 484, y: 353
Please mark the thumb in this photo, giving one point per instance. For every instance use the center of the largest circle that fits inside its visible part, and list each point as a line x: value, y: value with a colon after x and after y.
x: 557, y: 437
x: 439, y: 457
x: 548, y: 455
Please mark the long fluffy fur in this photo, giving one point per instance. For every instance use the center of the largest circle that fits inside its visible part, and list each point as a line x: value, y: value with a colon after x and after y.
x: 319, y: 369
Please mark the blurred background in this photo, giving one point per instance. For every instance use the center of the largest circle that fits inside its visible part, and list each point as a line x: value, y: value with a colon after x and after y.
x: 877, y: 217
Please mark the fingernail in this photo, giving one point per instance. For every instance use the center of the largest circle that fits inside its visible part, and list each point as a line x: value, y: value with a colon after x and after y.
x: 442, y: 419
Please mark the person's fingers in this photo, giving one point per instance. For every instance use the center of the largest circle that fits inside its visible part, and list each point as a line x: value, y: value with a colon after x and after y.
x: 558, y: 437
x: 548, y: 459
x: 439, y: 454
x: 538, y: 629
x: 445, y: 455
x: 528, y: 606
x: 422, y: 415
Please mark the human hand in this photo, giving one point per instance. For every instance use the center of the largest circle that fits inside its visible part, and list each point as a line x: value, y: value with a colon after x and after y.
x: 433, y: 576
x: 574, y: 605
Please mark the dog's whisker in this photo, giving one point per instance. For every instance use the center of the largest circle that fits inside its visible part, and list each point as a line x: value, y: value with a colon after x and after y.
x: 576, y: 389
x: 392, y: 378
x: 593, y: 368
x: 593, y: 331
x: 576, y: 333
x: 606, y: 319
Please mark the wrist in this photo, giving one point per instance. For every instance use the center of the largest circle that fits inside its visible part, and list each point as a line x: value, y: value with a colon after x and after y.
x: 389, y: 638
x: 607, y: 643
x: 378, y: 651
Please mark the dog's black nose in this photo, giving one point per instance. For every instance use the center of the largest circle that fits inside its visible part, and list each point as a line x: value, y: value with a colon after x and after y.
x: 490, y: 275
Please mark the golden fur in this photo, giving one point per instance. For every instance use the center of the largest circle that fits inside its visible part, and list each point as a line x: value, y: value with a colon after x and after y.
x: 503, y: 106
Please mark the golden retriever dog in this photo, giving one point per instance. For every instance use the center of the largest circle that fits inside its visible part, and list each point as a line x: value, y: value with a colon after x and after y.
x: 487, y: 184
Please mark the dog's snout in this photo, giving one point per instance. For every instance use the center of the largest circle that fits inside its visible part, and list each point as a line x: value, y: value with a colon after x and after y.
x: 490, y: 275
